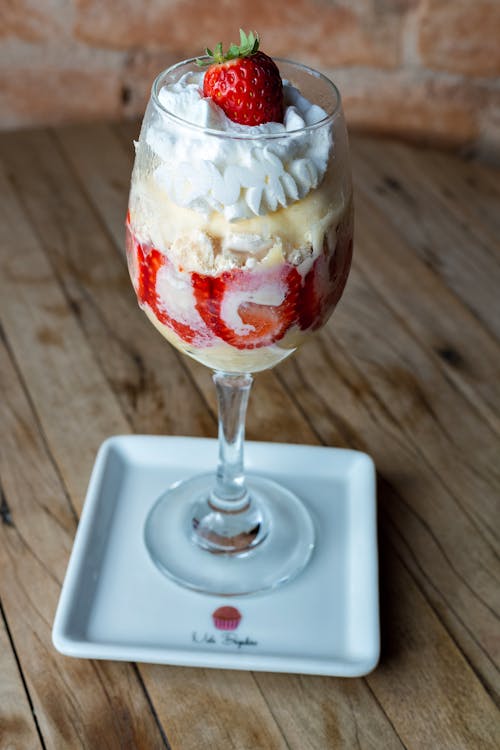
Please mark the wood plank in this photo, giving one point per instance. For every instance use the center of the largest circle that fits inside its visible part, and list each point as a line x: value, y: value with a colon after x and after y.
x: 30, y: 587
x: 418, y: 659
x: 423, y: 663
x: 17, y: 723
x: 465, y: 321
x: 142, y: 369
x: 269, y: 417
x: 409, y: 200
x: 401, y: 602
x: 46, y: 338
x: 454, y: 336
x: 294, y: 736
x: 429, y: 411
x: 468, y: 188
x: 30, y: 294
x: 35, y: 548
x: 102, y: 163
x: 308, y: 708
x: 272, y: 414
x: 408, y: 618
x: 454, y: 566
x: 264, y: 409
x: 223, y: 714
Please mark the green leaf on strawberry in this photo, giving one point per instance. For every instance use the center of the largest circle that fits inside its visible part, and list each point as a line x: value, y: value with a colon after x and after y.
x: 249, y: 44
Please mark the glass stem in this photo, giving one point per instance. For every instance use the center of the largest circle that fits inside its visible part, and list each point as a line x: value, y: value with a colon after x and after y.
x: 230, y: 492
x: 230, y: 520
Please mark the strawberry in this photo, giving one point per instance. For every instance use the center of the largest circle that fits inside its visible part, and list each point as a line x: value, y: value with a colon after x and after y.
x: 324, y: 284
x: 217, y: 297
x: 147, y: 262
x: 244, y: 82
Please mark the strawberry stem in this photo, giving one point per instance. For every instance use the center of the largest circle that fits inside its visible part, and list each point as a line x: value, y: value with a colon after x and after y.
x: 249, y: 45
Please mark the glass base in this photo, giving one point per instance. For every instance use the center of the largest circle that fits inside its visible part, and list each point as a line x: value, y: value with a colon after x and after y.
x: 277, y: 559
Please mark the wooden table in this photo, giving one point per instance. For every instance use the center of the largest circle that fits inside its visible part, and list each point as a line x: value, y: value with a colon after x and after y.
x: 407, y: 370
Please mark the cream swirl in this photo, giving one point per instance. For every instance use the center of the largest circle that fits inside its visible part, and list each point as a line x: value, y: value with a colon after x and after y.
x: 239, y: 177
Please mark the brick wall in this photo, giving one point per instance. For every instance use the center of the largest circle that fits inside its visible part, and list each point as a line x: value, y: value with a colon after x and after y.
x: 421, y: 69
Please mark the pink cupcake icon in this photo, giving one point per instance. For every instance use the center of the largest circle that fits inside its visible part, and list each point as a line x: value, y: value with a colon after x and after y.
x: 226, y: 618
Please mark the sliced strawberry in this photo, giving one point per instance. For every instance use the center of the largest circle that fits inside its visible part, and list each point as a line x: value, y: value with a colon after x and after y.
x: 150, y: 261
x: 236, y: 293
x: 324, y: 284
x: 145, y: 263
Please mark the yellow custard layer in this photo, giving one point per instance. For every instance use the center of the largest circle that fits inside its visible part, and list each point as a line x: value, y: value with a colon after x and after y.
x: 227, y: 358
x: 211, y: 244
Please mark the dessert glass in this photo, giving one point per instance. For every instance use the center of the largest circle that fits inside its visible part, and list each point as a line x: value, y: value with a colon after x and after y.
x: 239, y: 243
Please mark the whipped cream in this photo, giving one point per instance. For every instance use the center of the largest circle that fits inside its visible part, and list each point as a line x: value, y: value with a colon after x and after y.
x: 240, y: 176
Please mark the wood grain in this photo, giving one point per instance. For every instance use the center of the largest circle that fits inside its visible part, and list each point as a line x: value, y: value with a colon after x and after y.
x: 84, y: 259
x: 407, y: 369
x: 445, y: 241
x: 360, y: 331
x: 453, y: 337
x: 17, y: 722
x: 36, y: 544
x: 72, y: 427
x: 454, y: 563
x: 427, y: 687
x: 275, y: 416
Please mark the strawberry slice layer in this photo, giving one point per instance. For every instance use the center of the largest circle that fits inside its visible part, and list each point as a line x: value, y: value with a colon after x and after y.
x: 248, y: 309
x: 144, y: 264
x: 324, y: 284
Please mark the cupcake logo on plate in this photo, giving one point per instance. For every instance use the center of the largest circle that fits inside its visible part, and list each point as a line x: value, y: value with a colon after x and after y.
x: 226, y: 618
x: 226, y: 621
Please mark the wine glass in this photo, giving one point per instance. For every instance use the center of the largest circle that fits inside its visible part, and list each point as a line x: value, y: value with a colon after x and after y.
x: 239, y: 243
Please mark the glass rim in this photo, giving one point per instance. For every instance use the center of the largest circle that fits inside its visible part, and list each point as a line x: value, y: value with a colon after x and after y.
x: 330, y: 117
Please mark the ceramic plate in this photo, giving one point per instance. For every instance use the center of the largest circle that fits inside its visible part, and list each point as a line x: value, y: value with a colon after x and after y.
x: 115, y: 604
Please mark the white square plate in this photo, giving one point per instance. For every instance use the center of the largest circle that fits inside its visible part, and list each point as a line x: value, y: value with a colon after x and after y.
x: 115, y: 604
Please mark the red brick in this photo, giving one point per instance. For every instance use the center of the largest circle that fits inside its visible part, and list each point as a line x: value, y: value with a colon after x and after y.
x: 140, y: 70
x: 31, y: 20
x: 406, y: 104
x: 108, y: 52
x: 462, y: 36
x: 358, y: 33
x: 54, y: 95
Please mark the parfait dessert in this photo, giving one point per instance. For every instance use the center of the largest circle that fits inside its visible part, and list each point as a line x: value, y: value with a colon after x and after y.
x: 239, y: 243
x: 240, y: 220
